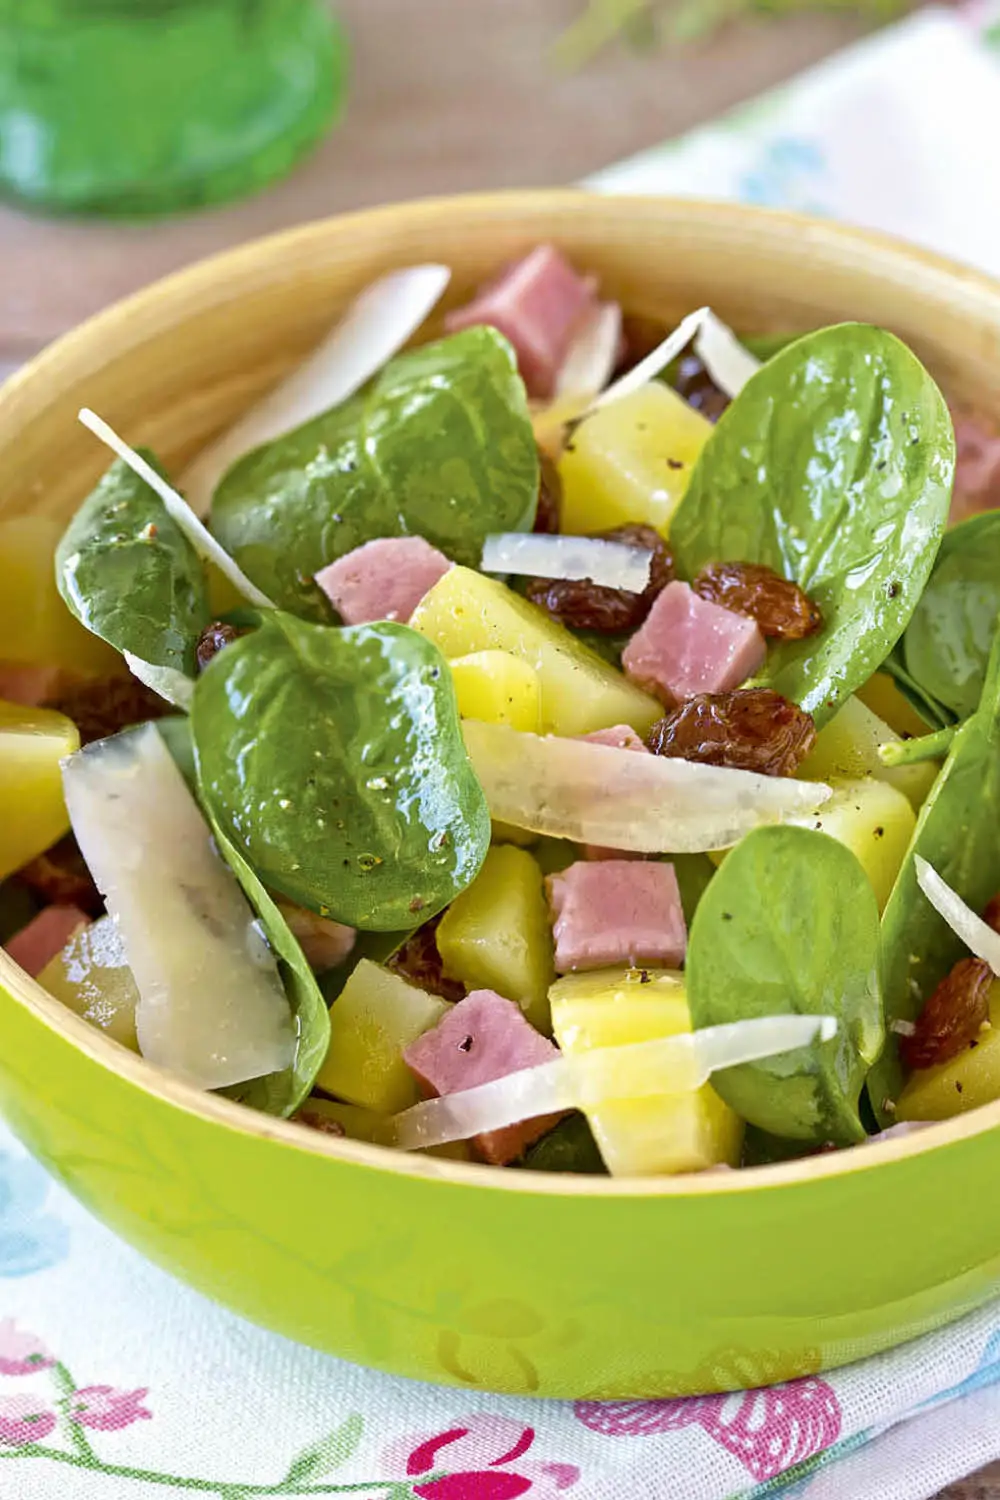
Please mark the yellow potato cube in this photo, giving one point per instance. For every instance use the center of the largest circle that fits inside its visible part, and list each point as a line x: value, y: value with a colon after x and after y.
x: 968, y: 1080
x: 847, y: 747
x: 496, y: 934
x: 631, y: 461
x: 883, y: 697
x: 498, y: 688
x: 466, y: 613
x: 91, y: 976
x: 376, y: 1016
x: 641, y: 1137
x: 32, y: 811
x: 35, y: 625
x: 874, y: 821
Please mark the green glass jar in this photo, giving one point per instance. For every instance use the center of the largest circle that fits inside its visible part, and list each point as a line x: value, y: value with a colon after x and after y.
x: 146, y: 106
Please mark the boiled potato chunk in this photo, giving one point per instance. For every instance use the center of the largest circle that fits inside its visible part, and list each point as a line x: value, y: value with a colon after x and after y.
x: 883, y: 697
x: 466, y: 612
x: 35, y: 625
x: 496, y: 934
x: 32, y: 811
x: 498, y: 688
x: 968, y: 1080
x: 91, y: 976
x: 875, y: 821
x: 631, y: 461
x: 376, y: 1015
x: 847, y: 747
x: 640, y: 1137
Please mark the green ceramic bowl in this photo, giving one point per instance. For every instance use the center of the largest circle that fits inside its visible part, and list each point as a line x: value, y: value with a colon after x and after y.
x: 463, y: 1274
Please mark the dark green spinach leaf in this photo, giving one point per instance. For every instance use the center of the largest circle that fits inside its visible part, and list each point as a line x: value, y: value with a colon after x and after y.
x: 129, y: 574
x: 957, y: 833
x: 834, y: 467
x: 333, y: 758
x: 568, y: 1147
x: 790, y: 924
x: 439, y: 446
x: 947, y: 642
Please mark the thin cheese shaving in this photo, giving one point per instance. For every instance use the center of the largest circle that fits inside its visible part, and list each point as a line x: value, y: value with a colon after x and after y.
x: 613, y: 565
x: 976, y: 934
x: 593, y: 353
x: 724, y: 357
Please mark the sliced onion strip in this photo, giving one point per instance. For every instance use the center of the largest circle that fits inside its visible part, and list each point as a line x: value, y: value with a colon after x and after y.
x: 639, y: 1070
x: 613, y: 565
x: 976, y: 934
x: 724, y: 357
x: 593, y: 353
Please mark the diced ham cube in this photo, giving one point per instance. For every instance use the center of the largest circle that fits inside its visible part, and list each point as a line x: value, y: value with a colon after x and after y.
x: 45, y: 936
x: 537, y: 304
x: 617, y: 912
x: 325, y: 943
x: 689, y: 645
x: 29, y: 684
x: 977, y: 468
x: 481, y: 1038
x: 621, y: 737
x: 383, y: 580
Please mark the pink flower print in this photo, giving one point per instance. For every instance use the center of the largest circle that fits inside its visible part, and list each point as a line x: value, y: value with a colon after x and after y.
x: 23, y: 1420
x: 768, y: 1430
x: 21, y: 1353
x: 481, y: 1459
x: 104, y: 1408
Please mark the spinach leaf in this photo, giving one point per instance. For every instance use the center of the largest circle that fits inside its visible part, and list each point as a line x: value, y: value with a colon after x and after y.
x: 833, y: 466
x: 439, y: 446
x: 568, y: 1147
x: 956, y: 833
x: 933, y: 713
x: 947, y: 642
x: 129, y: 574
x: 333, y: 759
x: 790, y: 924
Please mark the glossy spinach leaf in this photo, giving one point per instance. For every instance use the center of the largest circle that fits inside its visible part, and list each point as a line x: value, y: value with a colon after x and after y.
x: 947, y: 642
x: 790, y: 924
x: 834, y: 467
x: 129, y: 574
x: 439, y: 446
x: 957, y: 833
x: 693, y: 871
x: 333, y: 758
x: 568, y: 1147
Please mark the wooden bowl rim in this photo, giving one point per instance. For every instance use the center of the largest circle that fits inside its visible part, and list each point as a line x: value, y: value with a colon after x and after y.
x: 142, y: 314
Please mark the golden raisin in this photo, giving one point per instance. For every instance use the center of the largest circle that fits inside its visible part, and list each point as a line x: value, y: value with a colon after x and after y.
x: 591, y: 606
x: 780, y: 607
x: 316, y: 1121
x: 419, y: 961
x: 699, y: 390
x: 952, y: 1017
x: 212, y: 640
x: 991, y: 912
x: 101, y: 706
x: 60, y: 877
x: 751, y: 729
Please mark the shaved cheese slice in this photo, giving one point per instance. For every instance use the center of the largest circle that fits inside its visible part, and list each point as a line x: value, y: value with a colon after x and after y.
x: 374, y: 328
x: 640, y: 1070
x: 724, y: 357
x: 597, y: 794
x: 593, y: 354
x: 656, y: 360
x: 196, y: 532
x: 167, y: 681
x: 212, y: 1006
x: 976, y: 934
x: 613, y: 565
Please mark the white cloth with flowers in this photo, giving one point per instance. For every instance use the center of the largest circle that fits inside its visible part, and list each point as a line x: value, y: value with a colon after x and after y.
x: 118, y: 1384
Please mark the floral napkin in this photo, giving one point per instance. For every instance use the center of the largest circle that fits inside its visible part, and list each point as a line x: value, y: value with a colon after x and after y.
x: 116, y: 1383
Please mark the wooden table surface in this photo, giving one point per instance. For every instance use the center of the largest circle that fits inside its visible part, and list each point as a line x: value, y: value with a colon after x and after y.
x: 446, y: 95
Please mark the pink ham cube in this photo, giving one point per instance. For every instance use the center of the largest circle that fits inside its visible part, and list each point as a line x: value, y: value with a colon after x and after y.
x: 977, y: 468
x: 537, y: 304
x: 45, y: 936
x: 481, y: 1038
x: 617, y: 912
x: 689, y: 646
x: 383, y: 580
x: 621, y: 737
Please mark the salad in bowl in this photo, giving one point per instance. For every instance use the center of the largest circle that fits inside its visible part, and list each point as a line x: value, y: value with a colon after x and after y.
x: 550, y: 740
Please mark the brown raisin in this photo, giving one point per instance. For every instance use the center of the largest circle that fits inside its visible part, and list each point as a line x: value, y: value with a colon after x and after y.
x: 60, y: 877
x: 991, y: 912
x: 549, y: 495
x: 699, y: 390
x: 780, y: 608
x: 752, y: 729
x: 952, y: 1017
x: 591, y: 606
x: 640, y: 337
x: 212, y: 640
x: 419, y: 961
x: 316, y: 1121
x: 101, y: 706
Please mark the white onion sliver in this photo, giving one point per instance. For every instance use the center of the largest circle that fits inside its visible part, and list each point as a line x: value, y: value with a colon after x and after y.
x: 639, y: 1070
x: 197, y: 534
x: 596, y: 794
x: 613, y: 565
x: 374, y: 328
x: 593, y: 353
x: 167, y: 681
x: 963, y: 921
x: 724, y: 357
x: 647, y: 369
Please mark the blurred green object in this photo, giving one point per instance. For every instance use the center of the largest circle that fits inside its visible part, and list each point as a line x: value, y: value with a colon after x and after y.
x: 135, y: 107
